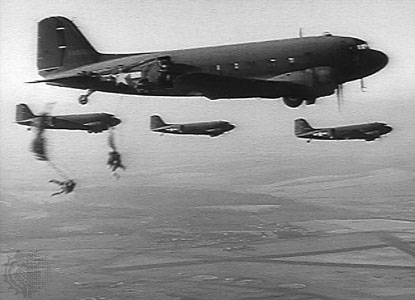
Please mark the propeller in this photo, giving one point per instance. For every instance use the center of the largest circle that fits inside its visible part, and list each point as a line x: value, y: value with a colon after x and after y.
x: 362, y: 85
x: 339, y: 94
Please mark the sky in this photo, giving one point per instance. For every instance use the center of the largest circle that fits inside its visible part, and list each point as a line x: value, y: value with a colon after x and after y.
x: 264, y: 127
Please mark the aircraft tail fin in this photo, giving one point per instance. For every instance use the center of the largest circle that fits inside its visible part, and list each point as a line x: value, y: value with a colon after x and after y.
x: 61, y: 46
x: 302, y: 126
x: 23, y: 113
x: 156, y: 122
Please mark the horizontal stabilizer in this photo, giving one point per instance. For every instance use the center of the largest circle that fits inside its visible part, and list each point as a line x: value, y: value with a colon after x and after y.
x: 56, y: 79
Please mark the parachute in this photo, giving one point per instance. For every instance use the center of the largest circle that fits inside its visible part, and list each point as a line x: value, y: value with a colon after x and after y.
x: 114, y: 160
x: 39, y: 150
x: 111, y: 140
x: 39, y: 142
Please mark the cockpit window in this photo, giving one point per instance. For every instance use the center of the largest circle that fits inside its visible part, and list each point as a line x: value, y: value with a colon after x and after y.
x: 362, y: 46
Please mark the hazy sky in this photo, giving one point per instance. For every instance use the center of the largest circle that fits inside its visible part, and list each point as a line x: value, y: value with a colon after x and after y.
x: 263, y: 126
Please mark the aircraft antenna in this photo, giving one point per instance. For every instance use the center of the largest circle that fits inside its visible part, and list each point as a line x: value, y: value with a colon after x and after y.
x: 300, y: 32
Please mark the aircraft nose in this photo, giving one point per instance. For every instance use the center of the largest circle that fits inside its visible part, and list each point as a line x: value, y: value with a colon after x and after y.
x: 372, y: 61
x: 230, y: 126
x: 387, y: 129
x: 114, y: 121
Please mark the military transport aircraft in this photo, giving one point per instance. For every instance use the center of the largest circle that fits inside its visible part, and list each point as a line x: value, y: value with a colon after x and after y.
x: 368, y: 132
x: 94, y: 122
x: 297, y: 69
x: 212, y: 129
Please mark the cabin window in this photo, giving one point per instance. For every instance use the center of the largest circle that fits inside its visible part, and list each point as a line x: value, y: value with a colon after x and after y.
x: 236, y: 66
x: 217, y: 67
x: 272, y: 62
x: 291, y: 60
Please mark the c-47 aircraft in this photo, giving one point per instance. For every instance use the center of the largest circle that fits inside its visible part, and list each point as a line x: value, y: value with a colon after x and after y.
x: 297, y: 69
x: 94, y: 122
x: 368, y: 132
x: 212, y: 129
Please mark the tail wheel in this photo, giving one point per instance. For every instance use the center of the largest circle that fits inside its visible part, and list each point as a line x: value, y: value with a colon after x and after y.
x: 83, y: 99
x: 292, y: 102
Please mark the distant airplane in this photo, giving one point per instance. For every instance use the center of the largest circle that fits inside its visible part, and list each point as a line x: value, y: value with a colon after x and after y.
x: 212, y: 129
x: 298, y: 69
x: 368, y: 132
x: 94, y: 122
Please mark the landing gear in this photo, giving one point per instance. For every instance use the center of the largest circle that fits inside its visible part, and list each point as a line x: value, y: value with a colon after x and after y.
x: 83, y: 99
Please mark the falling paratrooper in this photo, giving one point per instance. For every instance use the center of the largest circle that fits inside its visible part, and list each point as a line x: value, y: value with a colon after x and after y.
x: 39, y: 149
x: 114, y: 159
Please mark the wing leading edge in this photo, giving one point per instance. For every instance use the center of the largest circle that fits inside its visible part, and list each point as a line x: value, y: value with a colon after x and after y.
x: 216, y: 87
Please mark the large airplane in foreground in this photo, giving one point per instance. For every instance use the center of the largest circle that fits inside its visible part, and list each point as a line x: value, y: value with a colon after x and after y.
x: 368, y: 132
x: 212, y: 129
x: 298, y: 69
x: 93, y: 122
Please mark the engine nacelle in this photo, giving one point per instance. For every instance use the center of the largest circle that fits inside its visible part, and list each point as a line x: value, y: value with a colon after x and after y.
x: 324, y: 82
x: 292, y: 102
x: 320, y: 82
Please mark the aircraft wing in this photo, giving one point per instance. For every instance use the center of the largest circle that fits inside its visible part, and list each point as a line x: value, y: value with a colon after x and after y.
x: 371, y: 135
x: 215, y: 132
x: 62, y: 122
x: 216, y: 87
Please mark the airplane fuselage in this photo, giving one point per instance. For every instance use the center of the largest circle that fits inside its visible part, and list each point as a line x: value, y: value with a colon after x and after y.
x: 367, y: 132
x: 213, y: 128
x: 260, y: 60
x: 95, y: 122
x: 296, y: 69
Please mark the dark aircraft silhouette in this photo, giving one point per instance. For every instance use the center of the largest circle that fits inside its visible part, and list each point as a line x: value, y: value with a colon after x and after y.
x: 297, y: 69
x: 212, y: 129
x: 368, y: 132
x: 94, y: 122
